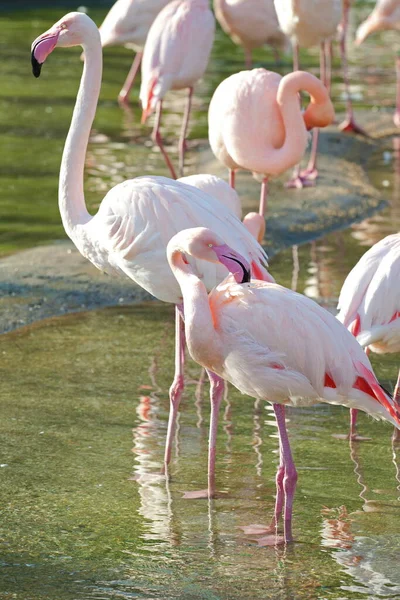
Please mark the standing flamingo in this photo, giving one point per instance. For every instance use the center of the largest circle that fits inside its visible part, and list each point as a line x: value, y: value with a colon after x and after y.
x: 369, y: 304
x: 251, y: 24
x: 386, y: 15
x: 175, y: 57
x: 310, y: 23
x: 136, y: 219
x: 128, y: 23
x: 274, y: 344
x: 255, y: 122
x: 349, y: 124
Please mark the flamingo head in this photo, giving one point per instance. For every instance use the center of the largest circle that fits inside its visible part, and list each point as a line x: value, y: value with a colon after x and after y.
x: 204, y: 244
x: 320, y: 111
x: 72, y: 30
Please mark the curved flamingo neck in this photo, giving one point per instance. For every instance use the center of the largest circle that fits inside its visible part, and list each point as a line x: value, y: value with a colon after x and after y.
x: 201, y: 336
x: 71, y: 198
x: 319, y: 112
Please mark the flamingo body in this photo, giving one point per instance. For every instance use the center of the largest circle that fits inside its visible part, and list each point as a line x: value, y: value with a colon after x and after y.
x: 309, y: 22
x: 137, y: 218
x: 255, y: 121
x: 218, y: 188
x: 250, y: 23
x: 128, y: 22
x: 369, y: 301
x: 177, y: 50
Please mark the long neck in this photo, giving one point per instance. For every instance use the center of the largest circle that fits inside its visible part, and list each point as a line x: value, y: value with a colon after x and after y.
x: 71, y: 197
x: 201, y: 336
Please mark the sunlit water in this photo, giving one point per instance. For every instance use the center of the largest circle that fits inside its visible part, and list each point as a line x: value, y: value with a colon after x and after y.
x: 84, y: 399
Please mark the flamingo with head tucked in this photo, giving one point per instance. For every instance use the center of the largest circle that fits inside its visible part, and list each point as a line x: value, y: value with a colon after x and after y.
x: 175, y: 57
x: 128, y: 23
x: 136, y: 219
x: 369, y: 304
x: 255, y: 122
x: 273, y: 344
x: 310, y: 23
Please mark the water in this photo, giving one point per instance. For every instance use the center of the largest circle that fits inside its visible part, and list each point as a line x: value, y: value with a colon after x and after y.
x: 84, y: 398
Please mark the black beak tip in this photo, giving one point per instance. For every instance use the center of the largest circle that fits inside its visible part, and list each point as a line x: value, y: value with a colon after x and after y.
x: 246, y: 276
x: 36, y: 66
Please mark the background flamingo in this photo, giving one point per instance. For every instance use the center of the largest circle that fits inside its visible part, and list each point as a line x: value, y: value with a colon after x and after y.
x: 129, y: 234
x: 251, y: 24
x: 274, y: 344
x: 369, y: 303
x: 175, y: 57
x: 310, y: 23
x: 128, y: 23
x: 386, y: 15
x: 255, y: 122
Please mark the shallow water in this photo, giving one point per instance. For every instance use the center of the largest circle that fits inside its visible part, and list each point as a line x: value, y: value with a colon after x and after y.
x: 84, y: 399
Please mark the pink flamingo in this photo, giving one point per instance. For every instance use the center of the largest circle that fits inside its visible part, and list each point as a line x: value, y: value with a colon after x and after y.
x: 136, y: 219
x: 309, y: 23
x: 369, y: 304
x: 274, y: 344
x: 386, y: 15
x: 128, y: 23
x: 349, y: 124
x: 255, y: 122
x: 250, y: 24
x: 175, y: 57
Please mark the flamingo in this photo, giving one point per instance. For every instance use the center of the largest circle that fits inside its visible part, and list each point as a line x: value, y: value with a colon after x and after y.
x: 349, y: 124
x: 255, y: 122
x: 369, y: 304
x: 274, y: 344
x: 251, y: 24
x: 175, y: 57
x: 386, y: 15
x: 128, y: 23
x: 136, y: 219
x: 309, y: 23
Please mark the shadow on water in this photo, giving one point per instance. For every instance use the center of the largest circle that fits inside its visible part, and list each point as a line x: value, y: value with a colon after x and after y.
x: 84, y: 398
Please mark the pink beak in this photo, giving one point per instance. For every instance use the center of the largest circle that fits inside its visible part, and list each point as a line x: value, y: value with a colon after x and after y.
x: 41, y: 48
x: 234, y: 262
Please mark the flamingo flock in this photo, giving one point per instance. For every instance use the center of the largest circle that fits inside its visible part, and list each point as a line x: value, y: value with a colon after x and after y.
x: 183, y: 240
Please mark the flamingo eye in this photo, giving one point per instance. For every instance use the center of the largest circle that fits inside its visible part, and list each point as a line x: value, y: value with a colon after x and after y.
x: 210, y: 245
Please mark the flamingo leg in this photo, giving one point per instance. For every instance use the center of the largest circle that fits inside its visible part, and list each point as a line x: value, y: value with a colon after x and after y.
x: 248, y: 59
x: 280, y: 495
x: 396, y: 116
x: 290, y: 473
x: 182, y: 138
x: 156, y: 137
x: 232, y: 174
x: 396, y: 398
x: 176, y: 389
x: 216, y: 394
x: 123, y: 96
x: 348, y: 125
x: 263, y: 197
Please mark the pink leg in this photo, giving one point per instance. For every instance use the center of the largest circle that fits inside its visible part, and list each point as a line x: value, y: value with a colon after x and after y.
x: 263, y: 197
x: 280, y: 495
x: 248, y: 59
x: 216, y: 394
x: 176, y: 389
x: 396, y: 116
x: 348, y: 125
x: 290, y: 476
x: 156, y: 137
x: 232, y: 174
x: 296, y: 59
x: 396, y: 398
x: 130, y: 80
x: 182, y: 139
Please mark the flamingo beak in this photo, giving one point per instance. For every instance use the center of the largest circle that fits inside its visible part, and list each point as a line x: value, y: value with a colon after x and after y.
x: 41, y: 48
x: 234, y: 262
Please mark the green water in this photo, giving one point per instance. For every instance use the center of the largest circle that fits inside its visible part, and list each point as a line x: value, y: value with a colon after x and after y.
x: 84, y: 399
